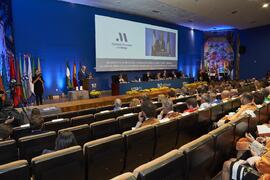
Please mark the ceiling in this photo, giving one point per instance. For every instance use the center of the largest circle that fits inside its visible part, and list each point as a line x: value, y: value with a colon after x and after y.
x: 198, y: 14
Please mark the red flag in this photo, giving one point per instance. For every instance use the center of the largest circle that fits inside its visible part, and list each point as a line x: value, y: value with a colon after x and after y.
x: 75, y: 83
x: 2, y: 88
x: 18, y: 88
x: 12, y: 67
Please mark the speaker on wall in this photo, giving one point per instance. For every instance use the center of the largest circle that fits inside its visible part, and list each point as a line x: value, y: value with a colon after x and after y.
x: 242, y: 49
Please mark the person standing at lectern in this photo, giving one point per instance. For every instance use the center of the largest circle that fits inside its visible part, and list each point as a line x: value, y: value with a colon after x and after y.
x: 82, y: 75
x: 38, y: 87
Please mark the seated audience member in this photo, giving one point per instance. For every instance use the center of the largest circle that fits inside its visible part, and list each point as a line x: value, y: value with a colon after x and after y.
x: 134, y: 102
x: 265, y: 92
x: 258, y: 98
x: 63, y: 140
x: 5, y: 131
x: 161, y: 98
x: 234, y: 93
x: 117, y: 104
x: 258, y: 85
x: 167, y: 110
x: 8, y: 112
x: 205, y: 101
x: 144, y: 98
x: 172, y: 94
x: 36, y: 121
x: 192, y: 105
x: 225, y: 95
x: 148, y: 115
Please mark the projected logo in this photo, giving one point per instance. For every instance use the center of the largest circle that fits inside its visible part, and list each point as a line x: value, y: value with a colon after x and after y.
x: 121, y: 41
x: 122, y: 37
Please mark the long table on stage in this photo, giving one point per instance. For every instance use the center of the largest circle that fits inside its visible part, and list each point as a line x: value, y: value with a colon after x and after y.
x: 120, y: 89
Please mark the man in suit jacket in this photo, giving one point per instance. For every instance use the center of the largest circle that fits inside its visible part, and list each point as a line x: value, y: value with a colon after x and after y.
x: 82, y: 75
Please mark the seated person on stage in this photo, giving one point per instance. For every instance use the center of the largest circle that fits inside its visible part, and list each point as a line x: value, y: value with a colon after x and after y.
x: 205, y: 101
x: 36, y: 121
x: 159, y: 77
x: 64, y: 140
x: 173, y: 75
x: 225, y: 95
x: 148, y: 115
x: 82, y: 75
x: 121, y: 79
x: 147, y: 77
x: 117, y: 104
x: 164, y: 75
x: 248, y: 107
x: 134, y: 103
x: 192, y: 105
x: 167, y: 110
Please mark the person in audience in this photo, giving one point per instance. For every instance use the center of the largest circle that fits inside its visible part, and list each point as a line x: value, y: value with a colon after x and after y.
x: 265, y: 92
x: 192, y: 105
x: 134, y: 102
x: 36, y: 121
x: 148, y: 115
x: 258, y: 98
x: 144, y: 98
x: 64, y: 140
x: 234, y: 93
x: 258, y: 85
x: 167, y: 110
x: 172, y: 94
x: 205, y: 101
x: 8, y: 112
x: 161, y: 98
x: 117, y: 104
x: 225, y: 95
x: 5, y: 131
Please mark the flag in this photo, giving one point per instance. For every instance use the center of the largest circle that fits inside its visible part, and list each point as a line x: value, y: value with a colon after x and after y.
x: 22, y: 77
x: 33, y: 65
x: 68, y: 79
x: 4, y: 73
x: 30, y: 89
x: 12, y: 67
x: 39, y: 66
x: 25, y: 77
x: 18, y: 88
x: 74, y: 80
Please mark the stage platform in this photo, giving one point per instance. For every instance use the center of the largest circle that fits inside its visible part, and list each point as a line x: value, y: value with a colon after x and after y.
x: 92, y: 103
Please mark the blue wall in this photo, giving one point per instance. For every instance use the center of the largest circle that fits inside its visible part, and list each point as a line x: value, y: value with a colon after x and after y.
x: 58, y: 32
x: 256, y: 61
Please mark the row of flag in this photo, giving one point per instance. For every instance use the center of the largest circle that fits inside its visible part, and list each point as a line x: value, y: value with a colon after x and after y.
x: 17, y: 82
x: 71, y: 83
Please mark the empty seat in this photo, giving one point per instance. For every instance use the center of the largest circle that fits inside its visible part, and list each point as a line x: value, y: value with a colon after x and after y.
x: 139, y: 146
x: 104, y: 108
x: 32, y: 146
x: 67, y: 115
x: 199, y: 157
x: 104, y: 115
x: 19, y: 132
x: 180, y: 107
x: 125, y: 176
x: 224, y: 145
x: 83, y: 119
x: 56, y: 125
x: 123, y: 111
x: 127, y: 122
x: 81, y: 133
x: 204, y: 121
x: 187, y: 128
x: 166, y: 136
x: 168, y: 166
x: 63, y: 164
x: 8, y: 151
x: 216, y: 112
x: 17, y: 170
x: 104, y: 128
x: 241, y: 127
x: 50, y: 117
x: 86, y: 111
x: 104, y: 157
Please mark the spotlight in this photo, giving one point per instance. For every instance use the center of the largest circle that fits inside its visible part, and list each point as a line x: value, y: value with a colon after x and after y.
x: 265, y: 5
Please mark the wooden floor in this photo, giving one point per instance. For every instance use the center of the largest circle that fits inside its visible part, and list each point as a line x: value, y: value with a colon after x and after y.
x: 91, y: 103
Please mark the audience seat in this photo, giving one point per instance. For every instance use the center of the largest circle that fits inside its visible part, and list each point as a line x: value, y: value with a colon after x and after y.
x: 67, y: 164
x: 86, y: 111
x: 216, y: 112
x: 166, y: 136
x: 125, y: 176
x: 157, y: 104
x: 104, y: 108
x: 227, y: 107
x: 19, y: 132
x: 264, y: 118
x: 169, y: 166
x: 104, y: 128
x: 50, y: 117
x: 180, y: 107
x: 32, y: 146
x: 187, y: 129
x: 158, y: 110
x: 137, y: 109
x: 81, y: 133
x: 204, y: 121
x: 67, y: 115
x: 253, y: 122
x: 199, y: 157
x: 83, y: 119
x: 127, y: 122
x: 104, y: 157
x: 8, y: 151
x: 105, y: 115
x: 123, y: 111
x: 241, y: 127
x: 224, y: 145
x: 139, y: 146
x: 236, y: 103
x: 17, y: 170
x: 56, y: 125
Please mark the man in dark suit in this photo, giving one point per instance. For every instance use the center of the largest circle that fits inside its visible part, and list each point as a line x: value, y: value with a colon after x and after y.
x: 147, y: 76
x: 82, y: 75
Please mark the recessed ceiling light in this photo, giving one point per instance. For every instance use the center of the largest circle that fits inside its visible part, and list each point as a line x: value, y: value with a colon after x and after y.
x: 265, y: 5
x: 234, y: 12
x: 156, y: 11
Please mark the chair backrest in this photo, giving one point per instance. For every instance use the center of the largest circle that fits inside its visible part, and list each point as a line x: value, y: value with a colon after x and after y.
x: 227, y: 107
x: 104, y: 108
x: 236, y: 103
x: 253, y: 122
x: 32, y: 146
x: 81, y: 133
x: 50, y: 117
x: 180, y: 107
x: 86, y: 111
x: 224, y: 145
x: 125, y: 176
x: 166, y: 136
x: 8, y: 151
x: 264, y: 118
x: 68, y: 115
x: 104, y: 128
x: 123, y: 111
x: 139, y: 146
x: 204, y: 121
x: 63, y: 164
x: 199, y: 157
x: 187, y: 126
x: 19, y: 132
x: 104, y: 115
x: 83, y: 119
x: 15, y: 170
x: 127, y: 122
x: 104, y: 157
x: 158, y: 110
x: 216, y: 112
x: 241, y: 126
x: 158, y: 104
x: 168, y: 166
x: 56, y: 125
x: 137, y: 109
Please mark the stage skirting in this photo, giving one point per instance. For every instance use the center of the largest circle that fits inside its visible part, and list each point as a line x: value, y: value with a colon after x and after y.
x: 173, y: 83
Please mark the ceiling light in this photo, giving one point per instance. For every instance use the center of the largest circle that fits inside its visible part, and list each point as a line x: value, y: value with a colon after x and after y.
x: 265, y: 5
x: 156, y: 11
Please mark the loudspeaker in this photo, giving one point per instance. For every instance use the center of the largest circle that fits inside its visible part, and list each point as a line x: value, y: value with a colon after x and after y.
x: 242, y: 49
